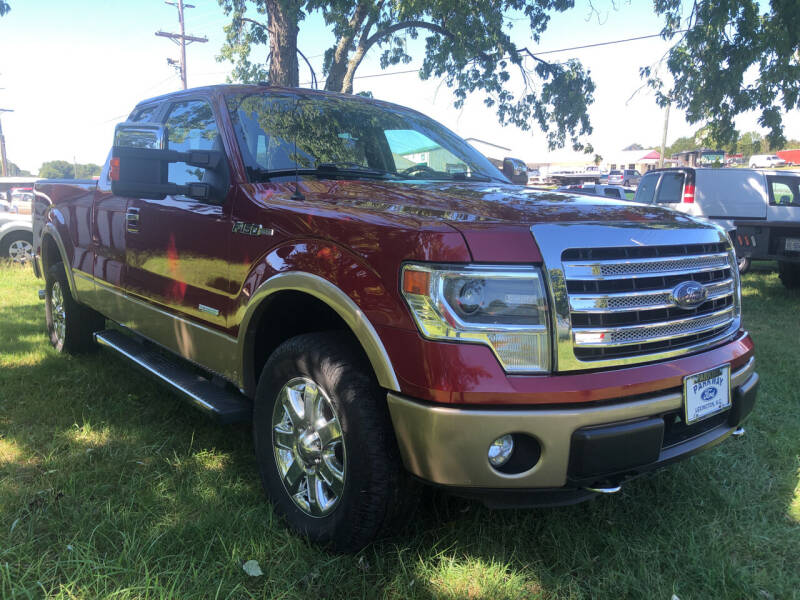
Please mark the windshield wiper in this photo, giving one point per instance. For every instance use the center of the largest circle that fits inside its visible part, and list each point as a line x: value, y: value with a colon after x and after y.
x: 321, y: 169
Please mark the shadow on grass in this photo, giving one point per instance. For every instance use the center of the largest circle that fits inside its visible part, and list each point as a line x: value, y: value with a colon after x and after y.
x: 101, y: 458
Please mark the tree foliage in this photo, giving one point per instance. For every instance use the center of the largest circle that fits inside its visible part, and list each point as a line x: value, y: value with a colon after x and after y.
x: 734, y: 57
x: 61, y: 169
x: 466, y: 43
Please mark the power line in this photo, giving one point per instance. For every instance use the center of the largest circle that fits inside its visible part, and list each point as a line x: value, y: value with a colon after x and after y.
x: 609, y: 43
x: 181, y: 39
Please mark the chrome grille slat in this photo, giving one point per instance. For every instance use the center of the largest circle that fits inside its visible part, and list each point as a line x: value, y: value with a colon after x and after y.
x: 631, y: 301
x: 643, y: 267
x: 650, y: 332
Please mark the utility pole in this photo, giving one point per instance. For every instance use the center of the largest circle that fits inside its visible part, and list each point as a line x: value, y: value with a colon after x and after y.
x: 3, y: 146
x: 181, y: 38
x: 664, y: 137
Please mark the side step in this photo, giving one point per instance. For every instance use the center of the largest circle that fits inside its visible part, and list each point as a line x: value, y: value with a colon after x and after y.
x: 226, y: 406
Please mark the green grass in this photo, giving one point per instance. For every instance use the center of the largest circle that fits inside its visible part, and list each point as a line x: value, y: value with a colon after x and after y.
x: 112, y: 487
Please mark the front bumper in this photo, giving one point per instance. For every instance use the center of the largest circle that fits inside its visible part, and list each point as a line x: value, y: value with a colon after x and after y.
x: 577, y: 447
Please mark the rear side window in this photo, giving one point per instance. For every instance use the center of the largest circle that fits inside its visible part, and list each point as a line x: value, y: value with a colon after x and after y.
x: 670, y: 189
x: 783, y: 191
x: 646, y: 189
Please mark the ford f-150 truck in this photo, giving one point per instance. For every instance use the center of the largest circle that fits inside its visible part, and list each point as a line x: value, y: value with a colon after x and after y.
x: 386, y: 307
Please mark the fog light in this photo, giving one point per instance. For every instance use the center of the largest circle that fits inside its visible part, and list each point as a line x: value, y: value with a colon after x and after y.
x: 500, y: 450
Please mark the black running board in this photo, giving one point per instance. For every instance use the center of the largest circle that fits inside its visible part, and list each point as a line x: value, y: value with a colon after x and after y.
x: 224, y: 405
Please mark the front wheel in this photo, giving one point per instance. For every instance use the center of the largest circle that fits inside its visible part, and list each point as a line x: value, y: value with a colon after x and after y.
x: 324, y: 444
x: 17, y: 247
x: 744, y: 264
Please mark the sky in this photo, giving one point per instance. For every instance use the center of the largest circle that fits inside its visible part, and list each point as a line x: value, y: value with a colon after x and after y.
x: 72, y: 70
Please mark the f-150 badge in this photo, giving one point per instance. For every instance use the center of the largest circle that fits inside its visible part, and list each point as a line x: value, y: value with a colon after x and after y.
x: 251, y: 229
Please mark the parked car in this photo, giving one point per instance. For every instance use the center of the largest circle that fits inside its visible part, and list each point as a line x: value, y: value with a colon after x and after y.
x: 721, y: 196
x: 778, y: 236
x: 375, y: 323
x: 591, y: 189
x: 16, y: 235
x: 624, y: 177
x: 766, y: 161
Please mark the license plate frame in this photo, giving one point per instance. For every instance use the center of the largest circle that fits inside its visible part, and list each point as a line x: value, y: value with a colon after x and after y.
x: 698, y: 402
x: 791, y: 245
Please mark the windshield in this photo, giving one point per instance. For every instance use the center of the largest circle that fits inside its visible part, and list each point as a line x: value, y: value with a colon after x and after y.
x: 348, y: 136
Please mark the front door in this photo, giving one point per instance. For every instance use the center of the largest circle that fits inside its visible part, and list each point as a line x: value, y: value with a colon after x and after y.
x: 177, y: 248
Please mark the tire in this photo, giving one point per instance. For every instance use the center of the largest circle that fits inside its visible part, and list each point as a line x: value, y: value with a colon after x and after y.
x: 17, y: 246
x: 789, y: 272
x: 744, y: 264
x: 362, y: 487
x: 70, y: 325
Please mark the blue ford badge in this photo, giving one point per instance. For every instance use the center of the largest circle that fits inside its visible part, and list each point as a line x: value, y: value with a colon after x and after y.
x: 689, y: 294
x: 709, y: 394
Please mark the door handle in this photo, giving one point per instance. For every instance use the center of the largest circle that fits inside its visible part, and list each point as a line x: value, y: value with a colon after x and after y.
x: 132, y: 220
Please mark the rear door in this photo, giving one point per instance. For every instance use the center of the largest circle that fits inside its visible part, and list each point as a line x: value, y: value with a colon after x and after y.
x: 177, y: 249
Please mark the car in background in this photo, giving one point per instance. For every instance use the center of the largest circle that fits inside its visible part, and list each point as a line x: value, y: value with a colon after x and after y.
x: 766, y: 161
x: 21, y: 200
x: 624, y: 177
x: 16, y: 235
x: 722, y: 196
x: 591, y: 189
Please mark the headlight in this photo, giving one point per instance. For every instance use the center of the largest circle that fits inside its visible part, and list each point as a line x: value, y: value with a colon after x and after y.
x: 502, y: 307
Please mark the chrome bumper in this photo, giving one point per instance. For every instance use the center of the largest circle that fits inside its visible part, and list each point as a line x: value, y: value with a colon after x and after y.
x: 448, y: 446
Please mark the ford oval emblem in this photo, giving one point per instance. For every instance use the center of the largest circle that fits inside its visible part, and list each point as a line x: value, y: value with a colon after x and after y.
x: 689, y: 294
x: 709, y: 394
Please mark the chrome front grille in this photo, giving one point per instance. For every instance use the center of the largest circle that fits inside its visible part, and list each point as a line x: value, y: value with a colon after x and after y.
x: 621, y: 299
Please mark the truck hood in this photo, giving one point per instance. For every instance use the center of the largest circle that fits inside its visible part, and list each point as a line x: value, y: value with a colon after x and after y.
x: 465, y: 204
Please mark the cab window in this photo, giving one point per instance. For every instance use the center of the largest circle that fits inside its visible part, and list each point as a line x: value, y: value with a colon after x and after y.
x: 646, y: 190
x: 191, y: 126
x: 783, y: 191
x: 670, y: 188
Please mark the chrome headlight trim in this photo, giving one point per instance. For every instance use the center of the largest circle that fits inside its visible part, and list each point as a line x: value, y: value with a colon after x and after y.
x: 520, y: 348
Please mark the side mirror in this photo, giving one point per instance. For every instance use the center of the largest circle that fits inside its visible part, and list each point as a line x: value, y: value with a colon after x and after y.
x: 140, y: 165
x: 516, y: 170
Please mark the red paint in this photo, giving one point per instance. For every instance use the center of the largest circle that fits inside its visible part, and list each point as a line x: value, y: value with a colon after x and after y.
x: 357, y: 235
x: 470, y: 374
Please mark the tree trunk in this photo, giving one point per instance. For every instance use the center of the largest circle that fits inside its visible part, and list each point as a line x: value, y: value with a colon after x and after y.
x: 282, y: 27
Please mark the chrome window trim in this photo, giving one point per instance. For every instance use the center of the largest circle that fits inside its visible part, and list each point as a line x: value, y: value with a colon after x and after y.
x: 554, y: 238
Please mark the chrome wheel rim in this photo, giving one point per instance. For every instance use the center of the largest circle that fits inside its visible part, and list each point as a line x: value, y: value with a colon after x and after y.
x: 58, y: 312
x: 20, y: 251
x: 309, y: 447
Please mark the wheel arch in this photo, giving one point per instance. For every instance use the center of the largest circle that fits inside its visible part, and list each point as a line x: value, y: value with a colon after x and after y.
x: 53, y: 251
x: 306, y: 291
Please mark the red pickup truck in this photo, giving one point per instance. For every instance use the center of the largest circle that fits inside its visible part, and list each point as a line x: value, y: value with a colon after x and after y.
x: 385, y: 306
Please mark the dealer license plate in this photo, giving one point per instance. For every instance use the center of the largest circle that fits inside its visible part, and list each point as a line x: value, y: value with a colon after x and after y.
x: 707, y: 393
x: 792, y: 245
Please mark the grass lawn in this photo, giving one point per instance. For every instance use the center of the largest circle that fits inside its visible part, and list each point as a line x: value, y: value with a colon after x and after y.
x: 112, y: 487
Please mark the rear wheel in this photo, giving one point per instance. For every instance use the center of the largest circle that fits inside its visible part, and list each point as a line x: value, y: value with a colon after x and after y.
x: 70, y: 325
x: 17, y: 246
x: 325, y: 447
x: 790, y: 274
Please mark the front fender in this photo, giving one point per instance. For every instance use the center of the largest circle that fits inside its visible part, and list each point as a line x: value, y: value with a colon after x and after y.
x: 334, y: 276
